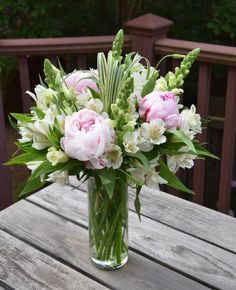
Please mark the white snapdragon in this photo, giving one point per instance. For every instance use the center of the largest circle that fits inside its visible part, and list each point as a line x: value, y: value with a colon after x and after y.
x: 56, y: 156
x: 162, y: 86
x: 113, y: 155
x: 191, y: 122
x: 131, y: 141
x: 182, y: 160
x: 154, y: 131
x: 60, y: 177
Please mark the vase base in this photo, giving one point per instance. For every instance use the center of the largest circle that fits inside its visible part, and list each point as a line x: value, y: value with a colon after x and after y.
x: 109, y: 264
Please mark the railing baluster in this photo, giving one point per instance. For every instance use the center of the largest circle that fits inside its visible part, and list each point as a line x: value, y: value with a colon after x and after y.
x: 227, y: 156
x: 203, y: 97
x: 6, y: 197
x: 81, y: 61
x: 25, y: 83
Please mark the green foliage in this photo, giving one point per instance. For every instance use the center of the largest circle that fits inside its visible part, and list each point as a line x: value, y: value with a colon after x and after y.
x: 223, y: 22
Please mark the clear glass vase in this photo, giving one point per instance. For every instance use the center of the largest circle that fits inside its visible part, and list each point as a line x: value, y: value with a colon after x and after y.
x: 108, y: 225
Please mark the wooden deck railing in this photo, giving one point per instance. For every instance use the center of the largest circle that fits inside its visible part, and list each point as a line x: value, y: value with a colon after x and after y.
x: 147, y: 35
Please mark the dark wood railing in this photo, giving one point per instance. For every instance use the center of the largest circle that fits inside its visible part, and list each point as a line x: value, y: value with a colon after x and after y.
x: 146, y: 35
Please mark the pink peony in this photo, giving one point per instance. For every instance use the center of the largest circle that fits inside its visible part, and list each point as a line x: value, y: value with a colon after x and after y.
x: 160, y: 105
x: 80, y: 82
x: 86, y: 137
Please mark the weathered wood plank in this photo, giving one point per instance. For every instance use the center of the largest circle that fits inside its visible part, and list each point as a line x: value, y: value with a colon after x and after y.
x: 183, y: 252
x: 199, y: 221
x: 69, y: 242
x: 23, y: 267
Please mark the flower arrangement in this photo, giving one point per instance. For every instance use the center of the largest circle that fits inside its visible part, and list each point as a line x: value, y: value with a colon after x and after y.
x: 120, y: 124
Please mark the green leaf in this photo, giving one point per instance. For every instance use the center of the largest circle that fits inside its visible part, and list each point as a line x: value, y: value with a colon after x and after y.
x: 204, y: 152
x: 12, y: 123
x: 173, y: 181
x: 40, y: 114
x: 22, y: 117
x: 141, y: 157
x: 107, y: 178
x: 25, y: 157
x: 94, y: 93
x: 182, y: 137
x: 31, y: 185
x: 150, y: 85
x: 137, y: 203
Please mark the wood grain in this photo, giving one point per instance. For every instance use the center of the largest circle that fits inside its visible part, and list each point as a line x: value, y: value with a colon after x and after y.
x: 206, y: 262
x: 23, y: 267
x: 199, y: 221
x: 69, y: 243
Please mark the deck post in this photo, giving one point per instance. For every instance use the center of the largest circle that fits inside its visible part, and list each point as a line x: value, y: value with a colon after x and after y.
x: 144, y: 30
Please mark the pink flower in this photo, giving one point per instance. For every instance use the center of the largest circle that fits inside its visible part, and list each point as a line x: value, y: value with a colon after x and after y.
x: 86, y: 137
x: 160, y: 105
x: 80, y: 82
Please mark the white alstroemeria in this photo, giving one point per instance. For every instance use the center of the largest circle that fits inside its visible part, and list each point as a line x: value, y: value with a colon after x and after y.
x: 56, y: 156
x: 39, y: 128
x: 191, y: 122
x: 131, y: 141
x: 154, y: 131
x: 83, y: 99
x: 137, y: 65
x: 184, y: 160
x: 140, y: 79
x: 33, y: 165
x: 149, y: 177
x: 153, y: 180
x: 113, y: 155
x: 95, y: 105
x: 60, y: 177
x: 43, y: 96
x: 26, y: 134
x: 144, y: 145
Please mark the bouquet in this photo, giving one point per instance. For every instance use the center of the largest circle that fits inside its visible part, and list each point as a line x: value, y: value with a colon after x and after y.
x: 121, y: 124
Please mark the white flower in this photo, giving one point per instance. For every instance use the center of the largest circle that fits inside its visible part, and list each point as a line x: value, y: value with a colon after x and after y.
x: 26, y: 135
x: 149, y: 177
x: 43, y: 97
x: 56, y: 156
x: 33, y: 165
x: 131, y: 141
x: 95, y: 105
x: 113, y: 155
x: 60, y: 177
x: 154, y: 131
x: 184, y: 160
x: 191, y: 122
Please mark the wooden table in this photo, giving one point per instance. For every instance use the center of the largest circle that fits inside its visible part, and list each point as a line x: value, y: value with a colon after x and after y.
x: 178, y: 245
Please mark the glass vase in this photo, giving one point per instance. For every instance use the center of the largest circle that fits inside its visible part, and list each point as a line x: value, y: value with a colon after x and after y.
x: 108, y: 225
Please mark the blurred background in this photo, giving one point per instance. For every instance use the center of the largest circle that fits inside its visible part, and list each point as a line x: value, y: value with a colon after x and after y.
x: 211, y: 21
